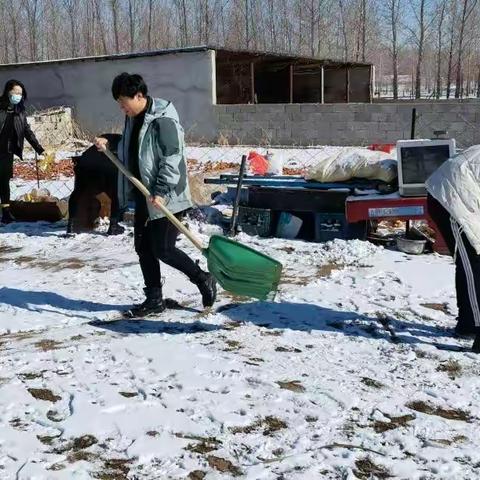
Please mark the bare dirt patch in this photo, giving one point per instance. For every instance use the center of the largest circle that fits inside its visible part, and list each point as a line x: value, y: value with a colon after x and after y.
x: 46, y: 345
x: 128, y: 394
x: 450, y: 414
x: 223, y: 465
x: 44, y: 394
x: 203, y: 445
x: 269, y: 425
x: 197, y: 475
x: 451, y: 367
x: 439, y: 307
x: 292, y: 385
x: 370, y: 382
x: 395, y: 422
x: 287, y: 349
x: 366, y: 469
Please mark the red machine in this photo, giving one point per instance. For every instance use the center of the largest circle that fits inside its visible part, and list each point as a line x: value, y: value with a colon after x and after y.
x: 393, y: 206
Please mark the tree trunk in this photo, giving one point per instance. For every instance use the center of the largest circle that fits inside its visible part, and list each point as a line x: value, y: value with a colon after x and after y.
x: 247, y: 23
x: 312, y: 28
x: 421, y: 39
x: 394, y: 25
x: 14, y: 19
x: 114, y: 7
x: 478, y: 81
x: 150, y: 20
x: 438, y: 86
x: 103, y: 38
x: 364, y: 29
x: 466, y: 11
x: 344, y: 30
x: 131, y: 24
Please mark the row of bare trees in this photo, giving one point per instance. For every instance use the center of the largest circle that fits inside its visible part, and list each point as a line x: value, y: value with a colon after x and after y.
x: 431, y: 47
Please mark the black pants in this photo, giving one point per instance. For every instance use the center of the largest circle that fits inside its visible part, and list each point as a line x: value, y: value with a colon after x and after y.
x: 6, y: 173
x: 155, y: 241
x: 467, y: 266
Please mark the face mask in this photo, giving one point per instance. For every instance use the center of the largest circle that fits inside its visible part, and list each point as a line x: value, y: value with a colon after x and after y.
x: 15, y: 99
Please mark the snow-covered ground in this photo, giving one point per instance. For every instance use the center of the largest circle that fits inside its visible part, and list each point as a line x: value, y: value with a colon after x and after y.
x: 342, y: 377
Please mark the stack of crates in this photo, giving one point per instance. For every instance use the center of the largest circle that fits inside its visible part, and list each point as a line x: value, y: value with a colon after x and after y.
x: 256, y: 221
x: 329, y: 226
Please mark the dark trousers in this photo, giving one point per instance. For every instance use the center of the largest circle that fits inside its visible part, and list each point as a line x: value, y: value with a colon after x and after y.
x: 467, y: 266
x: 154, y: 241
x: 6, y: 173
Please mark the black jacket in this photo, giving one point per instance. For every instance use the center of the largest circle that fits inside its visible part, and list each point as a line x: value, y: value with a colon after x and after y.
x: 21, y: 130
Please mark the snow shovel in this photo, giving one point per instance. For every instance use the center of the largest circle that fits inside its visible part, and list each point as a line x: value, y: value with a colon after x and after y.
x: 237, y: 268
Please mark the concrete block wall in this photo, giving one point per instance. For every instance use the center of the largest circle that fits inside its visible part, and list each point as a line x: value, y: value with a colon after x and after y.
x: 346, y: 124
x: 186, y: 79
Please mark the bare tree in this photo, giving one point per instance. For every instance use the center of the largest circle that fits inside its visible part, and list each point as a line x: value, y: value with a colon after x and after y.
x: 467, y: 9
x: 182, y: 14
x: 71, y: 9
x: 364, y: 28
x: 393, y: 8
x: 6, y: 42
x: 114, y: 6
x: 14, y: 19
x: 32, y: 10
x: 131, y: 20
x: 419, y: 38
x: 452, y: 31
x: 102, y: 26
x: 247, y: 23
x: 343, y: 26
x: 441, y: 17
x: 150, y: 21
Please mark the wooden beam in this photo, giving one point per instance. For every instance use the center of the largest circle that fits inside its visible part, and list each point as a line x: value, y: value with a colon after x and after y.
x: 322, y: 86
x: 347, y: 85
x: 252, y: 82
x: 291, y: 83
x: 372, y: 82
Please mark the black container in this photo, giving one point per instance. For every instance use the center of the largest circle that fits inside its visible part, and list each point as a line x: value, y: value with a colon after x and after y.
x: 256, y: 221
x: 329, y: 226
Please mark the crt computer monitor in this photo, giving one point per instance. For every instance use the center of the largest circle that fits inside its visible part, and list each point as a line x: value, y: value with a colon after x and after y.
x: 417, y: 160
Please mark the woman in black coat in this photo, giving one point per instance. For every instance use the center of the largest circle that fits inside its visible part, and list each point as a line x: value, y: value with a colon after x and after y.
x: 14, y: 129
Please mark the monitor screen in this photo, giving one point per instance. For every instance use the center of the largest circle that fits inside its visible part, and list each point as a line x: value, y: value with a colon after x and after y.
x: 419, y: 162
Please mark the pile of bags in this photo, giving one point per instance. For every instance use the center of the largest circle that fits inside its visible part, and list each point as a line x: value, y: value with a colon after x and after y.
x: 355, y: 163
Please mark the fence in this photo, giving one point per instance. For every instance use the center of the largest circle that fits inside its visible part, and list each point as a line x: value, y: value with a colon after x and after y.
x: 55, y: 129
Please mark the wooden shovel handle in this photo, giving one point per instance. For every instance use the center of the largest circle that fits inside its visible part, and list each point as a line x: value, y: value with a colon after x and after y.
x: 145, y: 192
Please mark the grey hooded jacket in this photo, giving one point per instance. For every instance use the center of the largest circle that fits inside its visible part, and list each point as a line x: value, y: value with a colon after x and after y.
x: 161, y: 158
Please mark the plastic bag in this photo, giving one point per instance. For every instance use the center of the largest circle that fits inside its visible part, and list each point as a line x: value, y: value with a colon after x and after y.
x: 258, y: 163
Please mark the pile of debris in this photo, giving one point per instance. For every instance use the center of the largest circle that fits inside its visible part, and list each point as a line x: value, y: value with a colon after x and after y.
x: 27, y: 170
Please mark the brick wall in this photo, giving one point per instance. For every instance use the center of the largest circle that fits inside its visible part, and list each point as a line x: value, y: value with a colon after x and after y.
x: 346, y: 124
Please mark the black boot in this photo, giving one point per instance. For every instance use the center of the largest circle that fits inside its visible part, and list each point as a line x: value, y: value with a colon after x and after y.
x: 7, y: 216
x: 208, y: 288
x: 114, y: 228
x: 476, y: 344
x: 463, y: 329
x: 153, y: 303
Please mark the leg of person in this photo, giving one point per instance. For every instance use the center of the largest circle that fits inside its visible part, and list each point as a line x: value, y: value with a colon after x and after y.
x: 6, y: 173
x: 467, y: 284
x: 164, y: 236
x: 442, y: 218
x: 149, y: 265
x: 110, y: 189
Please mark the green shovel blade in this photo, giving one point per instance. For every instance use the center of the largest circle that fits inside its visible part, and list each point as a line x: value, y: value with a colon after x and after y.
x: 241, y: 270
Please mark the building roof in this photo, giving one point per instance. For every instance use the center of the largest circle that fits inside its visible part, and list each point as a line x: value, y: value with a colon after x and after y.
x: 222, y: 53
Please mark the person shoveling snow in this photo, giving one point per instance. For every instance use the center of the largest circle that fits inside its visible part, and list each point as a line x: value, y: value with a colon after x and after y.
x: 153, y: 147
